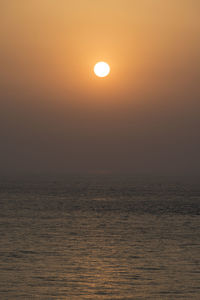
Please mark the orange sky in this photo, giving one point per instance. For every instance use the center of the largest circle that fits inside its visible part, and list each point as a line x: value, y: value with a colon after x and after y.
x: 60, y: 41
x: 49, y: 48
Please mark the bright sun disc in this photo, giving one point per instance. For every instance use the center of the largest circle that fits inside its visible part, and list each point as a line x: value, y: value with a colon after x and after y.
x: 101, y: 69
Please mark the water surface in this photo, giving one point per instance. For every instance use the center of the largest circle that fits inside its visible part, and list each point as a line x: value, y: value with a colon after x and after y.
x: 99, y: 237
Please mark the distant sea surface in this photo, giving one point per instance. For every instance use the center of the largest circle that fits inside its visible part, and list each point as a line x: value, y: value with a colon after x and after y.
x: 99, y: 237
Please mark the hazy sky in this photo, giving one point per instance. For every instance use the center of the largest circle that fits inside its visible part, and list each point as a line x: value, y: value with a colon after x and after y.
x: 56, y: 116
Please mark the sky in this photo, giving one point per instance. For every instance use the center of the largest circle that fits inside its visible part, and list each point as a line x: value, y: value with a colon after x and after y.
x: 57, y: 116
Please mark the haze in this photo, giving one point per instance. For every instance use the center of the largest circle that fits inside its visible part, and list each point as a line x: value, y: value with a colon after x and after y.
x: 57, y: 116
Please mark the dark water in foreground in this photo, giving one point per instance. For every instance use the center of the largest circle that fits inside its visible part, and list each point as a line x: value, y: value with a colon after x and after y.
x: 99, y: 238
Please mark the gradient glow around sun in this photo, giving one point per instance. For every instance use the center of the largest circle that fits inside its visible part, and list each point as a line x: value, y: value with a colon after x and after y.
x: 101, y: 69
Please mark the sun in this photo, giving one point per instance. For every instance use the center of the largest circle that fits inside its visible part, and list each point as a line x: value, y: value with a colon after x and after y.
x: 101, y: 69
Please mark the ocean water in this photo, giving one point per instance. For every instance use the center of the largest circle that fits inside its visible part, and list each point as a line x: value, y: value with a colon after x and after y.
x: 99, y: 237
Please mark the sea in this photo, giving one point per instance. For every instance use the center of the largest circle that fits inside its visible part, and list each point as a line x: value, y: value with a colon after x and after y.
x: 99, y: 237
